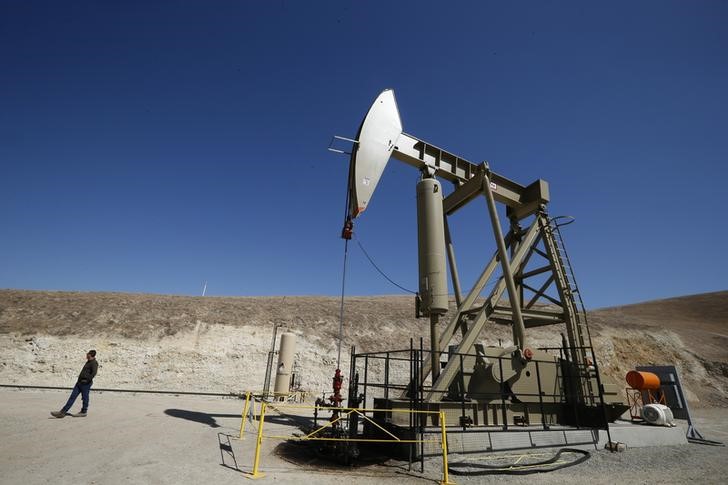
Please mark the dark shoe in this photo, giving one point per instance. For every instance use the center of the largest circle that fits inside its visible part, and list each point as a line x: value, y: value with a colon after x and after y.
x: 80, y: 415
x: 58, y: 414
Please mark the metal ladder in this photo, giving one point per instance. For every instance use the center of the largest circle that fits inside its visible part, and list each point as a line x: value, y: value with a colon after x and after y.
x: 581, y: 325
x: 585, y: 336
x: 573, y: 305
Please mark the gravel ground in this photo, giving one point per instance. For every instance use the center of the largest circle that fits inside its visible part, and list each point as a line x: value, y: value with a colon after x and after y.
x: 663, y: 465
x: 177, y: 439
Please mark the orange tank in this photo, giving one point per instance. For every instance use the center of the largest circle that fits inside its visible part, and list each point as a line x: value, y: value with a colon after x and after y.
x: 643, y: 381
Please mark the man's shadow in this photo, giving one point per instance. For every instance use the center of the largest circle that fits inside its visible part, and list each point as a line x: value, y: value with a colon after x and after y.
x: 199, y: 417
x: 301, y: 422
x: 227, y: 453
x: 224, y: 443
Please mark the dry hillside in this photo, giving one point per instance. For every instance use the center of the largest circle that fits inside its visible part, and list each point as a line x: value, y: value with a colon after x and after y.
x: 221, y: 343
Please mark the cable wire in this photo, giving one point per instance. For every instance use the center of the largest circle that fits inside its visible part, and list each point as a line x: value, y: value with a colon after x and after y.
x: 380, y: 271
x: 518, y: 468
x: 341, y: 309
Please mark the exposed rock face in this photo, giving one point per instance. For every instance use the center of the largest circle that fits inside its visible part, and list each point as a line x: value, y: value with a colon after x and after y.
x: 221, y: 344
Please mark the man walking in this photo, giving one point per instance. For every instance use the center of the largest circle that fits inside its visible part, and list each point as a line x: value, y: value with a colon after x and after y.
x: 83, y: 386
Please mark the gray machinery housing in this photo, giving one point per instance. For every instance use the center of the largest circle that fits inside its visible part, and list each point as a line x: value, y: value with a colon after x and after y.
x: 531, y: 271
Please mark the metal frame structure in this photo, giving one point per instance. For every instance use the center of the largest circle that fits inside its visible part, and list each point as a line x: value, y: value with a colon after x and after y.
x: 530, y: 232
x: 466, y: 415
x: 530, y: 260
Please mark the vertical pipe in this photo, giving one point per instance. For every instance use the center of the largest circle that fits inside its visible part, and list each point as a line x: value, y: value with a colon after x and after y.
x: 269, y: 364
x: 386, y: 378
x: 540, y: 398
x: 268, y: 370
x: 503, y: 395
x: 353, y: 418
x: 411, y: 386
x: 421, y: 396
x: 435, y: 346
x: 352, y: 371
x: 601, y: 395
x: 411, y: 403
x: 417, y: 418
x: 366, y: 371
x: 519, y: 332
x: 569, y: 388
x: 462, y: 393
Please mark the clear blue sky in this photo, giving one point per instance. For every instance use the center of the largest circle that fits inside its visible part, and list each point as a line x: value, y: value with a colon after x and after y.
x: 149, y: 146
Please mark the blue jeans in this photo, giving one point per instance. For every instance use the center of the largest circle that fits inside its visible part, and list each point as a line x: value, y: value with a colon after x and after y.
x: 82, y: 389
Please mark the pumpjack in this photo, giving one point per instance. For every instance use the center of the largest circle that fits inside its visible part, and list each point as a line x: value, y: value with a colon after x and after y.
x: 534, y: 286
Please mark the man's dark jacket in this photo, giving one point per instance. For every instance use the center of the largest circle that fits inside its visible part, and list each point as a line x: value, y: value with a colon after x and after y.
x: 88, y: 372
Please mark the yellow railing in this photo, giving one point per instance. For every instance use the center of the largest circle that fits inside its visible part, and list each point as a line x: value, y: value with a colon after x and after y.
x: 244, y: 415
x: 249, y: 405
x: 343, y: 413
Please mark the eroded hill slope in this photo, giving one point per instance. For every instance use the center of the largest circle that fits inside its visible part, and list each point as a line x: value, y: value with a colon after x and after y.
x: 221, y: 343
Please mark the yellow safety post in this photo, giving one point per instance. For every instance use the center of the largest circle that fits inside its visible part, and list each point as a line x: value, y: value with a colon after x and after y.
x: 256, y: 474
x: 445, y: 474
x: 244, y: 415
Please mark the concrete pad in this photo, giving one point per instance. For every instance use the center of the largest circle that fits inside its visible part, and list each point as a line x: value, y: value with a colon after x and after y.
x: 520, y: 439
x: 636, y: 435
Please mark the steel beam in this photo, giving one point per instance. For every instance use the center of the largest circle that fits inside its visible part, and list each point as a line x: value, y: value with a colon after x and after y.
x: 538, y: 293
x: 477, y: 288
x: 420, y: 154
x: 468, y: 341
x: 555, y: 316
x: 519, y: 331
x: 534, y: 272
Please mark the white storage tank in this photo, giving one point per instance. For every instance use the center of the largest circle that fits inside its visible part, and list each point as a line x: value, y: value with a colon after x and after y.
x: 286, y: 353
